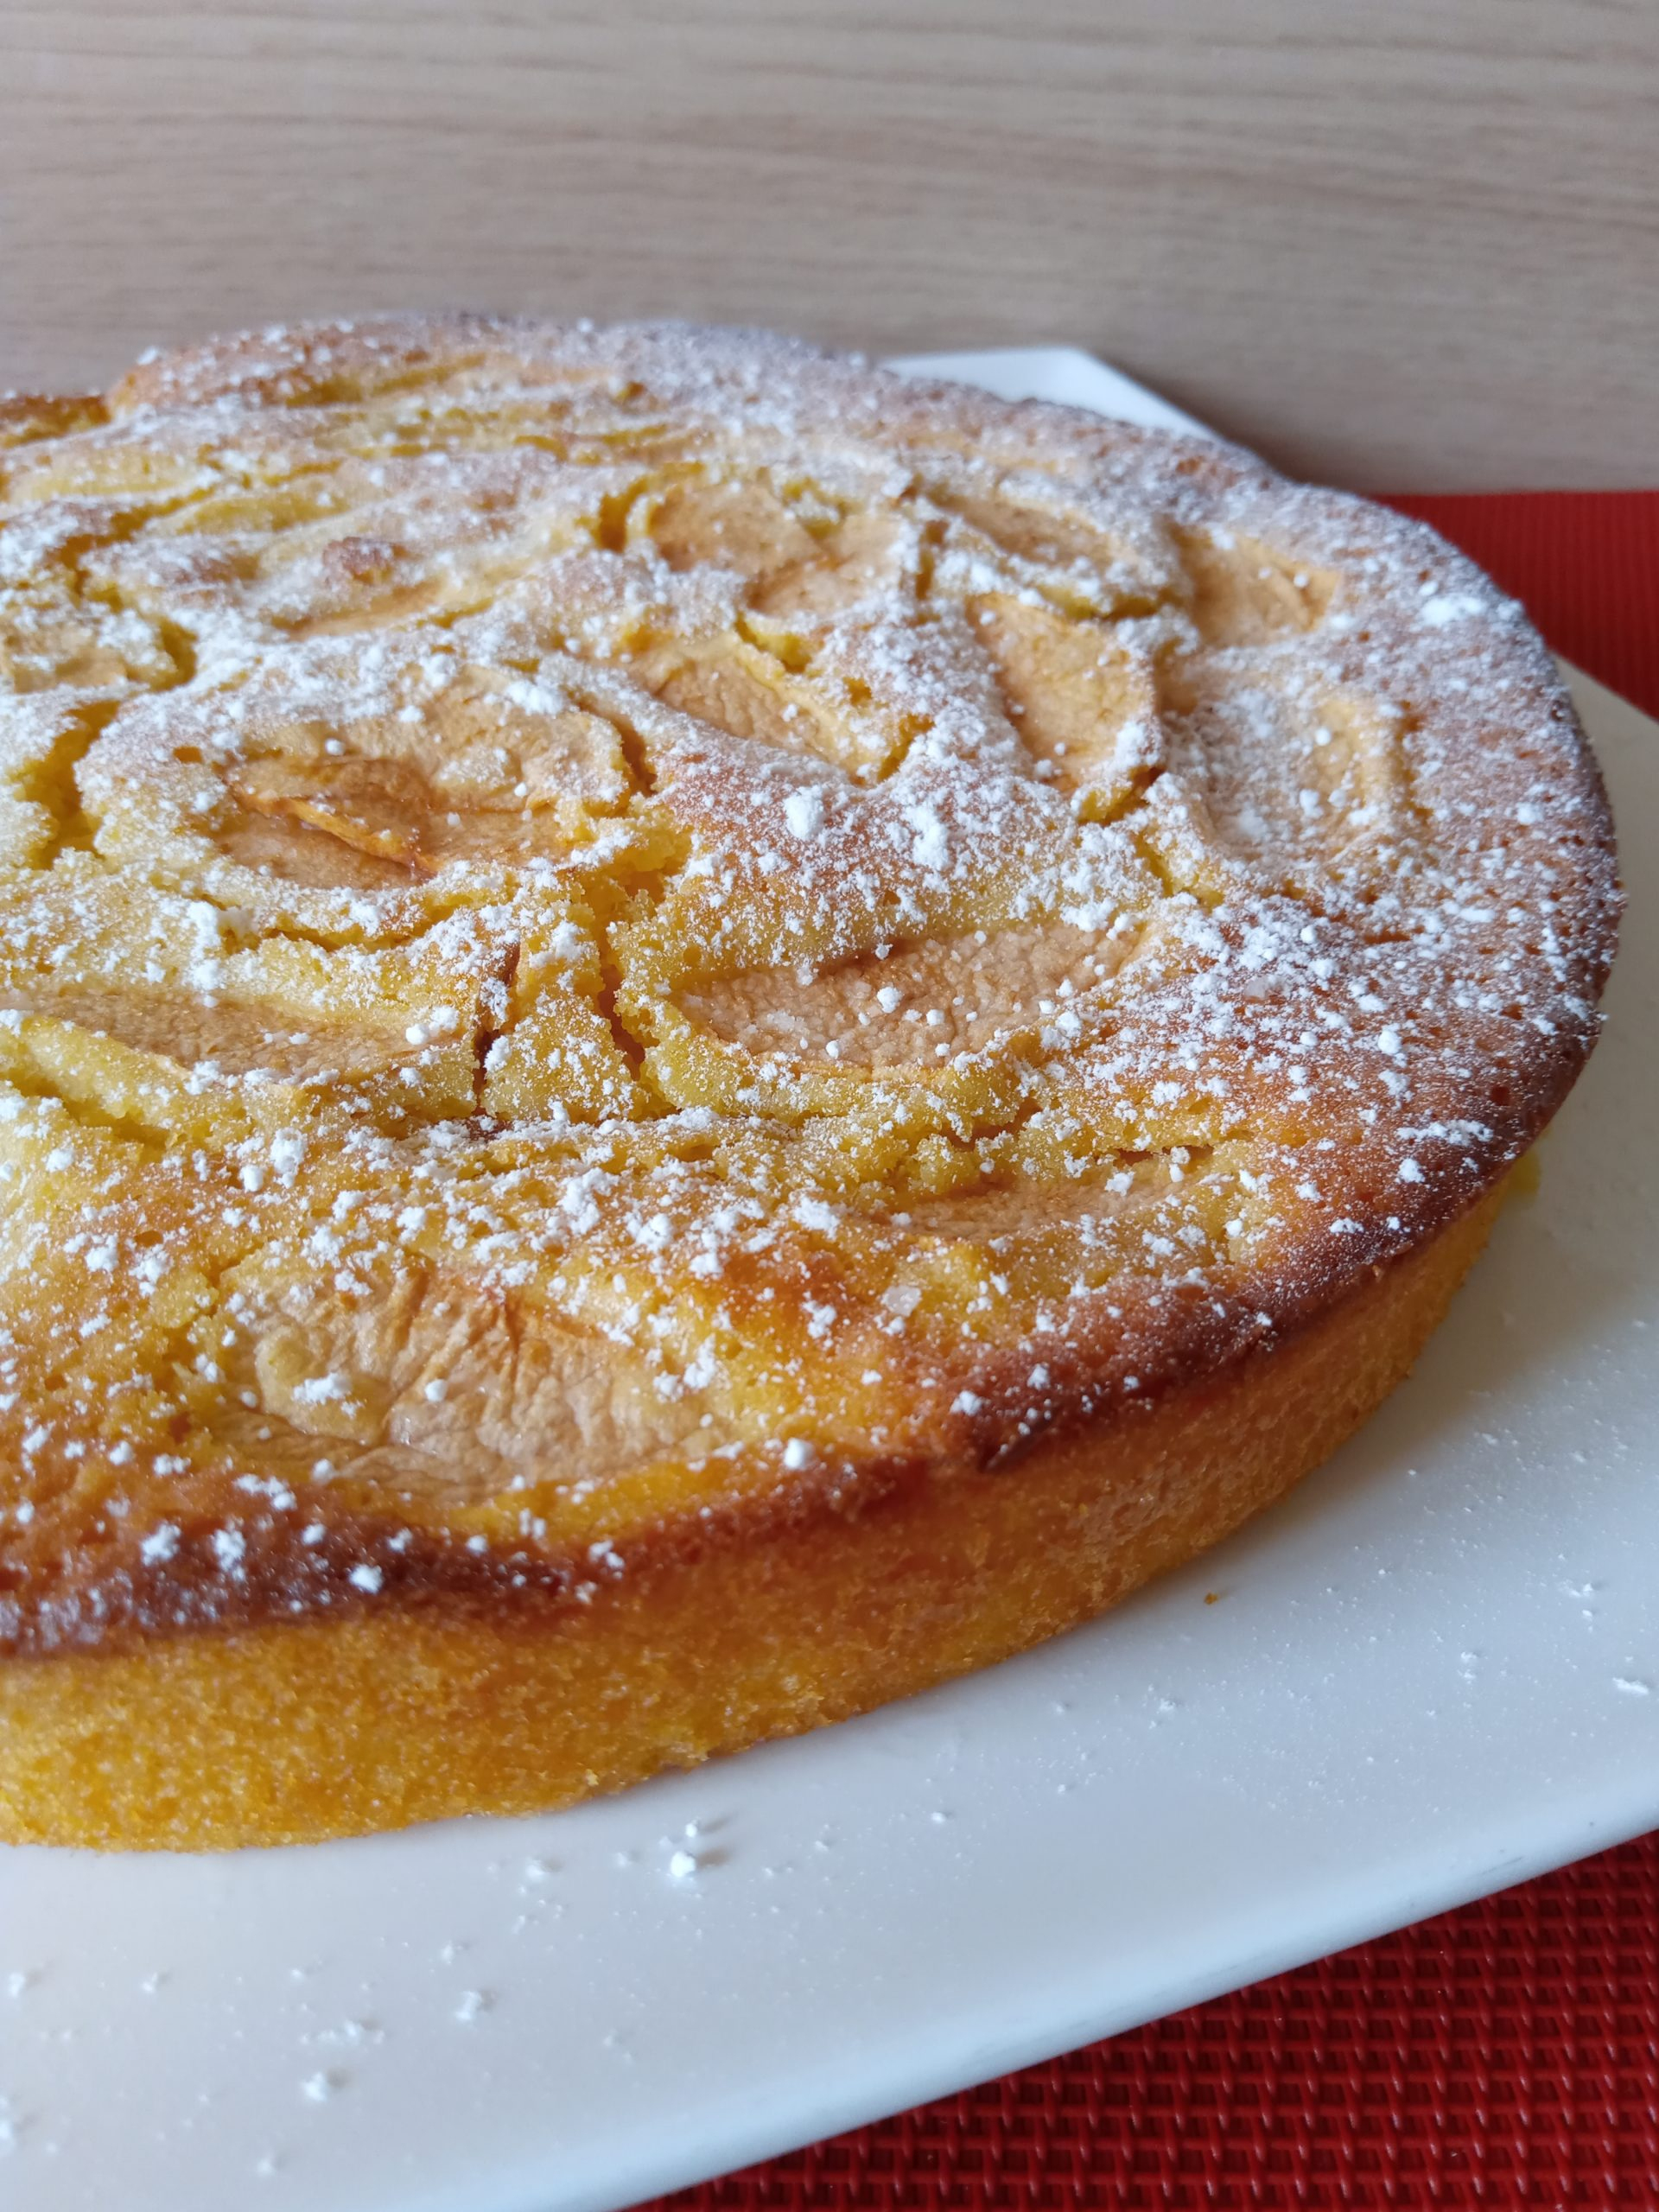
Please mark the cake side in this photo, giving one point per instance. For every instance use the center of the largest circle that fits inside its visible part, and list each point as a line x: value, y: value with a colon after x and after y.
x: 279, y: 1734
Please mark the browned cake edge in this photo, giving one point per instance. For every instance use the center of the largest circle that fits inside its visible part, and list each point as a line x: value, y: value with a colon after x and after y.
x: 292, y: 1733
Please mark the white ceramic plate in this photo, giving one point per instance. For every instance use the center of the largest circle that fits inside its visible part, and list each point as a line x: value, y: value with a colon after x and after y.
x: 1434, y: 1671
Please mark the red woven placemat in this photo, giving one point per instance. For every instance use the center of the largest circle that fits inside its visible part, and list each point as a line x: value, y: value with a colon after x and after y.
x: 1504, y: 2055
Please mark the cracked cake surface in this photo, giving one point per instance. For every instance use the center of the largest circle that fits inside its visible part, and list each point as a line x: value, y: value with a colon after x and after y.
x: 613, y: 940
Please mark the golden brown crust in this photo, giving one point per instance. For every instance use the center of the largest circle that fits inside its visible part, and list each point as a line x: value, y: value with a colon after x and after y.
x: 623, y: 949
x: 291, y: 1734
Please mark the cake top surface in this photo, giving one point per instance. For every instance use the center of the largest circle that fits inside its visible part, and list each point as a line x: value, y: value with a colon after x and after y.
x: 605, y: 931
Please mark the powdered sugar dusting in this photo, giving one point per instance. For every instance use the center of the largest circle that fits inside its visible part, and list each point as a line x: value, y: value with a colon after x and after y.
x: 571, y: 893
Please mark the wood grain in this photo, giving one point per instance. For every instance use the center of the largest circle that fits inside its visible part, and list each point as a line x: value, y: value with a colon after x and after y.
x: 1410, y: 245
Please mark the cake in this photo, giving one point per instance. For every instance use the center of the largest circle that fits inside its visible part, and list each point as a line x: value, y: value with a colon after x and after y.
x: 692, y: 1037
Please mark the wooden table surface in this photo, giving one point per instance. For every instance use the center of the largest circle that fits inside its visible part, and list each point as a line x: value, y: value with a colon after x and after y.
x: 1411, y: 245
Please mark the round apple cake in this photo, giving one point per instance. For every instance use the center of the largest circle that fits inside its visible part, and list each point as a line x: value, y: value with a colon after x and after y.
x: 692, y: 1037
